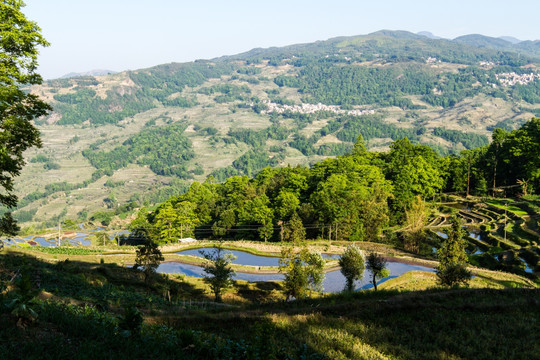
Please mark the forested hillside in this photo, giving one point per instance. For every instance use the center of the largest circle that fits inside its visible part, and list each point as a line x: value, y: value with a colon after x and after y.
x: 140, y: 136
x: 352, y: 197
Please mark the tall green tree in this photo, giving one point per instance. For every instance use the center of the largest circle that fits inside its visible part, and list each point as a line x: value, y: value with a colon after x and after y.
x: 416, y: 220
x: 295, y: 231
x: 186, y: 218
x: 102, y: 238
x: 304, y: 271
x: 19, y: 42
x: 166, y: 221
x: 352, y: 266
x: 414, y: 170
x: 452, y: 268
x: 257, y: 212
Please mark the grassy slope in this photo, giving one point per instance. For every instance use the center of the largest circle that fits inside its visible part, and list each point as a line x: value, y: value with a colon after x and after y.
x: 409, y: 318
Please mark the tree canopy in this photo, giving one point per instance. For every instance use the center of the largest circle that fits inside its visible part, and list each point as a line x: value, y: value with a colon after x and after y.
x: 19, y: 42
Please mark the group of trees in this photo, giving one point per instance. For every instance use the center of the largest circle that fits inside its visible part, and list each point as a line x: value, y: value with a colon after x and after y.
x: 349, y: 197
x: 157, y: 84
x: 349, y: 84
x: 345, y: 197
x: 303, y: 270
x: 166, y: 150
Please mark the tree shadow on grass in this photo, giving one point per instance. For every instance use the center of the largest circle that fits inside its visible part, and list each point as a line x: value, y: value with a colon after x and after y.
x: 102, y: 285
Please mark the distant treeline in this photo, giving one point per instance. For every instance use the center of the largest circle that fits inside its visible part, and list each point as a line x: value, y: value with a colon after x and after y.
x: 165, y: 150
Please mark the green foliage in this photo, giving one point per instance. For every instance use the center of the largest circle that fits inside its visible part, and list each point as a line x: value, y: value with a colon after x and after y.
x: 102, y: 217
x: 152, y: 85
x: 414, y: 229
x: 358, y: 85
x: 175, y: 150
x: 218, y: 271
x: 413, y: 170
x: 148, y: 258
x: 22, y: 305
x: 50, y: 165
x: 19, y: 45
x: 304, y: 271
x: 131, y: 322
x: 376, y: 264
x: 64, y: 250
x: 451, y: 270
x: 248, y: 164
x: 295, y: 231
x: 468, y: 140
x: 101, y: 237
x: 40, y: 158
x: 352, y: 265
x: 229, y: 92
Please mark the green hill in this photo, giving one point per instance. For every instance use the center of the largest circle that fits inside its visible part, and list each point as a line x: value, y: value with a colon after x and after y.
x: 103, y: 147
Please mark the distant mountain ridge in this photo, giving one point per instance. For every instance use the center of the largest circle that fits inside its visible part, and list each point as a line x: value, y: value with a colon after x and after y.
x: 97, y: 72
x: 511, y: 39
x: 429, y: 35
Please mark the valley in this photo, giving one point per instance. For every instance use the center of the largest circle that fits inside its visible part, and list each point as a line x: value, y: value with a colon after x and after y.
x: 231, y: 105
x: 363, y: 197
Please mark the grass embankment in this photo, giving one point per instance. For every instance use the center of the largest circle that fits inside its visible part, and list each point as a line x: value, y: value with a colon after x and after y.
x: 81, y: 304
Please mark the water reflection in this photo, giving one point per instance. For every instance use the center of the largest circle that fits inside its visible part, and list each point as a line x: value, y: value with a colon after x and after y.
x: 245, y: 258
x: 334, y: 280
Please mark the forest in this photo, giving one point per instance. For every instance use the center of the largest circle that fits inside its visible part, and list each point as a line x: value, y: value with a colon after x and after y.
x: 352, y: 197
x: 164, y: 149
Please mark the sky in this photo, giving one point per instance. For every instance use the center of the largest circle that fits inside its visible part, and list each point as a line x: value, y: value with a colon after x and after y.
x: 123, y: 35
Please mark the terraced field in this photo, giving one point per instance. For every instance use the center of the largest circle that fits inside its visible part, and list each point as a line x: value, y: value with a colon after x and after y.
x: 503, y: 234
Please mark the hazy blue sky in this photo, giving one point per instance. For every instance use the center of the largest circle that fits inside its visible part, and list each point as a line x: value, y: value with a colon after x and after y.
x: 132, y: 34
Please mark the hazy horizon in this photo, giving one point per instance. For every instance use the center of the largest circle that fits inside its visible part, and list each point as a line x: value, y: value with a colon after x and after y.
x: 124, y: 35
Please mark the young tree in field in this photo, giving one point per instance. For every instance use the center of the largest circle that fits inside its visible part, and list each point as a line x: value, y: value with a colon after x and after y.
x: 295, y: 231
x: 219, y: 273
x: 148, y: 258
x: 352, y: 266
x: 376, y: 264
x: 19, y: 42
x: 101, y: 237
x: 304, y: 271
x: 452, y: 268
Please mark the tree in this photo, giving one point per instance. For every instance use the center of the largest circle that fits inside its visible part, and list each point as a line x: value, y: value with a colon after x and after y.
x: 19, y: 41
x: 148, y: 258
x: 186, y: 218
x: 257, y: 212
x: 352, y: 265
x: 304, y: 271
x: 452, y: 269
x: 295, y: 231
x: 414, y: 226
x: 166, y: 220
x: 219, y: 273
x: 414, y: 170
x: 376, y: 264
x: 101, y: 237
